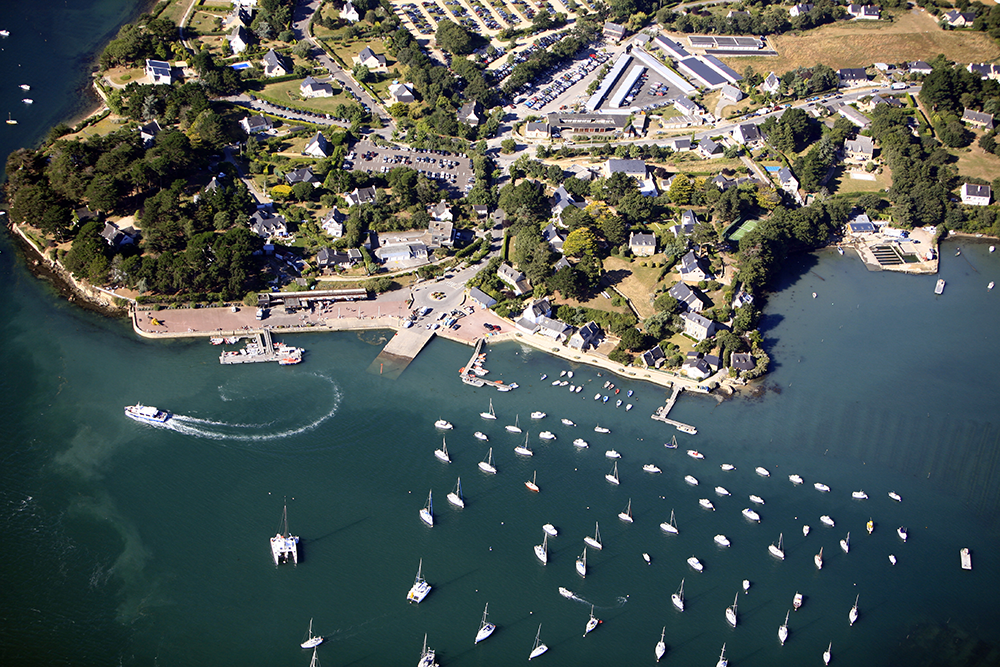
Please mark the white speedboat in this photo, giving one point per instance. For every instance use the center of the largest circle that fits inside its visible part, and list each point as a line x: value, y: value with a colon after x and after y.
x: 645, y: 557
x: 581, y: 564
x: 853, y: 614
x: 550, y: 529
x: 567, y: 422
x: 486, y: 465
x: 613, y: 475
x: 24, y: 86
x: 595, y: 541
x: 538, y: 648
x: 578, y: 389
x: 542, y: 550
x: 731, y: 612
x: 695, y: 563
x: 489, y: 415
x: 805, y: 530
x: 442, y: 454
x: 818, y: 559
x: 695, y: 454
x: 763, y: 472
x: 313, y: 640
x: 547, y: 435
x: 565, y: 592
x: 746, y: 586
x: 147, y: 414
x: 485, y: 627
x: 455, y: 497
x: 443, y: 424
x: 706, y: 503
x: 669, y: 526
x: 722, y: 658
x: 895, y: 496
x: 569, y: 374
x: 538, y: 414
x: 845, y: 543
x: 783, y: 630
x: 795, y: 479
x: 544, y: 376
x: 823, y: 488
x: 728, y: 466
x: 649, y: 467
x: 629, y: 405
x: 562, y: 373
x: 592, y: 623
x: 756, y: 499
x: 859, y: 495
x: 597, y: 397
x: 481, y: 436
x: 827, y: 520
x: 661, y: 647
x: 581, y: 443
x: 751, y: 515
x: 722, y: 540
x: 556, y: 383
x: 901, y: 531
x: 965, y: 556
x: 601, y: 429
x: 27, y: 100
x: 524, y: 450
x: 796, y: 601
x: 426, y: 656
x: 532, y: 484
x: 776, y: 550
x: 626, y: 514
x: 618, y: 404
x: 892, y: 559
x: 678, y: 597
x: 827, y: 654
x: 690, y: 479
x: 427, y: 511
x: 515, y: 427
x: 420, y: 588
x: 612, y: 454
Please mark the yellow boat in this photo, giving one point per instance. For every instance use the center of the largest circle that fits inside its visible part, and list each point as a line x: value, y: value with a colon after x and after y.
x: 871, y: 526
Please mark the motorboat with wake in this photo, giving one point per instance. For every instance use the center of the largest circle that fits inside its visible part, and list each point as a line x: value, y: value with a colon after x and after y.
x: 147, y: 414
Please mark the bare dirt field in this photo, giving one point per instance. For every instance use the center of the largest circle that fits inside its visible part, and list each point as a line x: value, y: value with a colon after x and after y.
x: 912, y: 35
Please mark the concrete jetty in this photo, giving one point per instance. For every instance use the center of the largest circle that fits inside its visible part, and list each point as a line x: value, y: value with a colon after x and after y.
x: 664, y: 410
x: 262, y: 348
x: 403, y: 348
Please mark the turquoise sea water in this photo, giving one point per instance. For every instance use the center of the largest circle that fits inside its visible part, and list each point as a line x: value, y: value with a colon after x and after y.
x: 132, y: 545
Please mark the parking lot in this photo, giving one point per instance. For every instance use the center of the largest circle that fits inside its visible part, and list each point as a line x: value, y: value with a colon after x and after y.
x: 451, y: 171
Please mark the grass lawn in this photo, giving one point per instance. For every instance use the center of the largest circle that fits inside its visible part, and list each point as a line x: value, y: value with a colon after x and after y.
x: 104, y: 126
x: 123, y: 75
x: 912, y: 35
x: 175, y: 10
x: 203, y: 22
x: 635, y: 281
x: 842, y: 183
x: 974, y: 161
x: 287, y: 92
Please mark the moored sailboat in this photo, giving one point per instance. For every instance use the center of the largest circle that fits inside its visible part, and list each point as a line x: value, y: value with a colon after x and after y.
x: 731, y: 612
x: 485, y: 627
x: 845, y: 543
x: 678, y: 597
x: 515, y: 427
x: 722, y: 658
x: 442, y: 454
x: 490, y: 414
x: 827, y: 654
x: 776, y: 550
x: 818, y: 559
x: 455, y: 497
x: 595, y: 541
x: 486, y: 465
x: 420, y: 588
x: 613, y: 475
x: 669, y: 526
x: 312, y: 640
x: 532, y: 486
x: 542, y: 550
x: 853, y: 614
x: 783, y: 630
x: 661, y: 646
x: 524, y: 450
x: 538, y: 648
x: 427, y: 656
x: 626, y: 514
x: 427, y: 511
x: 581, y: 564
x: 592, y: 623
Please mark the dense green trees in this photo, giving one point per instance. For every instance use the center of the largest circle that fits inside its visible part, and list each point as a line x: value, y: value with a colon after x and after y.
x: 147, y: 37
x: 455, y: 39
x: 792, y: 132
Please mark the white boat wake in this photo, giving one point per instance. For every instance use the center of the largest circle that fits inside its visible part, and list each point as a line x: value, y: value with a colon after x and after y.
x: 220, y: 430
x: 619, y: 601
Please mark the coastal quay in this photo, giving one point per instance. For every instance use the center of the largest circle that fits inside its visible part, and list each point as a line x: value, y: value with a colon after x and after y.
x: 664, y: 410
x: 261, y: 349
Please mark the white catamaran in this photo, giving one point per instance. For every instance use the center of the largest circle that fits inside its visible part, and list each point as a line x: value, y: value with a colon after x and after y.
x: 284, y: 545
x: 420, y: 588
x: 312, y: 640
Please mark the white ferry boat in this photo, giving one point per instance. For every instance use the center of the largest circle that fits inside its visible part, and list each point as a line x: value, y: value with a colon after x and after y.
x: 147, y: 413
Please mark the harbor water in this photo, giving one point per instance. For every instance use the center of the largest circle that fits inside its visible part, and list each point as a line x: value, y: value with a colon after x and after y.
x: 135, y: 545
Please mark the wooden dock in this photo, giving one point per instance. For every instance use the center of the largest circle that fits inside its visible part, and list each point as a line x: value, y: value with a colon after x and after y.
x: 664, y: 410
x: 402, y: 348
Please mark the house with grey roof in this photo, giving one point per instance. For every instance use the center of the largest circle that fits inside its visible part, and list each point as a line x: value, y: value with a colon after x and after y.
x: 402, y: 92
x: 742, y: 361
x: 349, y: 13
x: 957, y: 19
x: 537, y: 309
x: 587, y: 336
x: 328, y: 258
x: 614, y: 31
x: 690, y: 269
x: 687, y: 224
x: 373, y: 61
x: 864, y: 12
x: 690, y: 299
x: 800, y: 9
x: 545, y: 326
x: 553, y: 237
x: 469, y: 113
x: 859, y: 150
x: 360, y: 196
x: 115, y: 236
x: 148, y: 133
x: 302, y: 175
x: 514, y: 279
x: 698, y: 326
x: 561, y: 200
x: 441, y: 211
x: 561, y: 263
x: 976, y: 195
x: 256, y: 124
x: 653, y: 357
x: 679, y: 144
x: 853, y: 115
x: 919, y: 67
x: 788, y: 183
x: 268, y: 225
x: 318, y: 146
x: 158, y: 72
x: 731, y: 93
x: 978, y: 119
x: 696, y: 368
x: 239, y: 39
x: 403, y: 255
x: 708, y: 148
x: 852, y: 76
x: 772, y: 84
x: 641, y: 244
x: 333, y: 223
x: 747, y: 134
x: 275, y: 64
x: 742, y: 298
x: 481, y: 297
x: 537, y: 130
x: 310, y: 88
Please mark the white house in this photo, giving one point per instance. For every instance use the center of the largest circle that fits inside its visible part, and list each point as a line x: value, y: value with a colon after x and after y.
x: 708, y: 148
x: 697, y: 326
x: 957, y: 19
x: 333, y: 223
x: 318, y: 146
x: 256, y: 124
x: 747, y: 134
x: 360, y: 196
x: 732, y: 93
x: 976, y: 195
x: 634, y: 168
x: 158, y: 72
x: 373, y: 61
x: 469, y: 113
x: 799, y: 9
x: 268, y: 225
x: 687, y: 224
x: 919, y: 67
x: 689, y: 268
x: 561, y: 200
x: 310, y: 87
x: 859, y: 150
x: 688, y: 297
x: 772, y: 84
x: 788, y: 182
x: 275, y: 64
x: 585, y: 337
x: 614, y: 31
x: 349, y: 13
x: 515, y: 279
x: 402, y: 92
x: 239, y: 39
x: 852, y: 76
x: 864, y: 12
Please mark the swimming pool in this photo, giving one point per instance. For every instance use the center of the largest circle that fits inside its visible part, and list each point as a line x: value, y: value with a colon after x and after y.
x: 243, y: 65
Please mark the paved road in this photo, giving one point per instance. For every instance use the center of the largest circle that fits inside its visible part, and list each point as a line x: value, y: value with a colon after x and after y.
x: 244, y: 100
